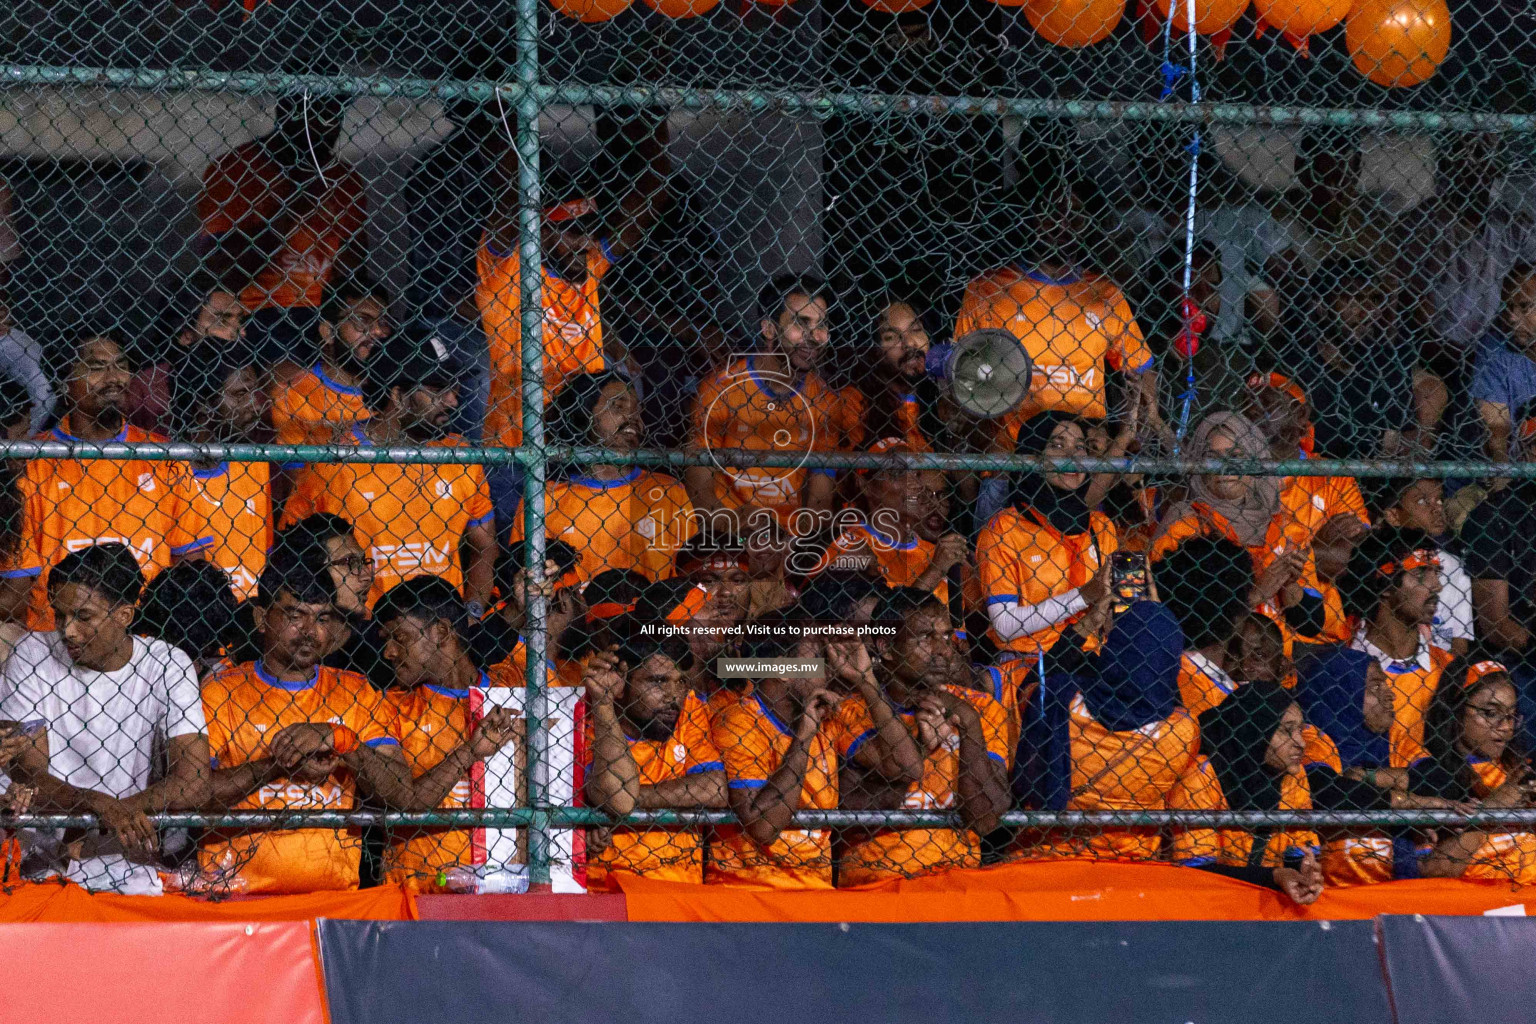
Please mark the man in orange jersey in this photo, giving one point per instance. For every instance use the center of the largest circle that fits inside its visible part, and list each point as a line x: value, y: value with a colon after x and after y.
x: 282, y: 216
x: 772, y: 401
x: 412, y: 519
x: 775, y: 769
x: 288, y: 733
x: 99, y: 707
x: 891, y: 386
x: 422, y: 622
x: 148, y: 505
x: 327, y: 399
x: 649, y: 740
x: 1074, y: 322
x: 961, y: 737
x: 577, y: 253
x: 219, y: 398
x: 618, y: 516
x: 1205, y: 582
x: 1392, y: 588
x: 904, y: 536
x: 329, y: 542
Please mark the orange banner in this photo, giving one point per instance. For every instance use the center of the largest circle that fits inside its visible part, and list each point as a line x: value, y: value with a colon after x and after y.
x: 52, y: 901
x: 1059, y: 891
x: 151, y: 973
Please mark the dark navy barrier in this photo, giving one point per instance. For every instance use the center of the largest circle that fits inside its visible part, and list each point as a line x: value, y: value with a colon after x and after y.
x: 1153, y: 972
x: 1442, y: 969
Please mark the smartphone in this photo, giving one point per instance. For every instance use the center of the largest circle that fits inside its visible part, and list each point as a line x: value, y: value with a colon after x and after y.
x: 1129, y: 578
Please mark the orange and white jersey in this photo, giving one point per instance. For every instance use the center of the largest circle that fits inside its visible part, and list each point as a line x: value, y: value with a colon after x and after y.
x: 236, y: 499
x: 313, y: 408
x: 1073, y: 329
x: 410, y: 519
x: 1200, y: 790
x: 247, y: 190
x: 246, y: 707
x: 1414, y: 682
x: 741, y: 408
x: 573, y: 333
x: 1024, y: 560
x: 72, y: 504
x: 638, y: 522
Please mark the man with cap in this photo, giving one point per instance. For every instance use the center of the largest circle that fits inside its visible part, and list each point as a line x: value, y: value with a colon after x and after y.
x: 412, y: 519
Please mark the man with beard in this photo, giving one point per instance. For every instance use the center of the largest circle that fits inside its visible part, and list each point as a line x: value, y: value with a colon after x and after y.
x: 422, y: 622
x: 327, y: 399
x: 891, y: 387
x: 218, y: 398
x: 106, y: 702
x: 1073, y: 321
x: 648, y: 735
x: 961, y: 736
x: 214, y: 327
x: 772, y: 401
x: 1392, y: 586
x: 412, y: 519
x: 904, y: 536
x: 287, y: 734
x: 72, y: 503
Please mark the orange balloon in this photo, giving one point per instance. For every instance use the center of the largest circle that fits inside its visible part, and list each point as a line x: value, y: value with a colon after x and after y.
x: 590, y: 10
x: 896, y: 6
x: 1398, y: 43
x: 1211, y: 16
x: 1297, y: 19
x: 1074, y: 23
x: 682, y: 8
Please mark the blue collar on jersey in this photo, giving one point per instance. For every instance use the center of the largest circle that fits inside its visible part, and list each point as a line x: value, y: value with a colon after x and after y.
x: 778, y: 723
x: 1035, y: 275
x: 58, y: 432
x: 341, y: 389
x: 890, y: 542
x: 483, y: 682
x: 603, y: 485
x: 271, y: 680
x: 767, y: 389
x: 209, y: 474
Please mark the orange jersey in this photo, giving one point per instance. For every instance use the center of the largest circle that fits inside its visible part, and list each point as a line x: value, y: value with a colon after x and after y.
x: 752, y: 741
x: 410, y: 519
x: 1508, y: 857
x: 741, y: 408
x: 313, y: 408
x: 246, y: 707
x: 854, y: 430
x: 431, y: 722
x: 573, y: 333
x: 863, y: 548
x: 1414, y: 683
x: 512, y: 670
x: 1072, y: 329
x: 71, y: 504
x: 635, y: 522
x: 1200, y: 790
x: 1024, y: 560
x: 910, y: 852
x: 246, y: 190
x: 1308, y: 502
x: 1202, y: 683
x: 1011, y: 684
x: 236, y: 499
x: 1361, y: 857
x: 1122, y: 771
x: 673, y: 855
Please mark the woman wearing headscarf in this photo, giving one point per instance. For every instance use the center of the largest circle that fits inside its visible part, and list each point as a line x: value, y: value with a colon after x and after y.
x: 1347, y: 699
x: 1251, y: 760
x: 1045, y: 561
x: 1474, y: 758
x: 618, y: 516
x: 1247, y: 510
x: 1104, y: 732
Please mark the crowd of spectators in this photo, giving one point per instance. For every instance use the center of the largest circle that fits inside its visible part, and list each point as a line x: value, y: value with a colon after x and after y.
x: 223, y: 636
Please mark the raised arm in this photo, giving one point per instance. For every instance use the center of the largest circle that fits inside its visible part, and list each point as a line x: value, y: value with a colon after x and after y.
x: 613, y: 784
x: 766, y: 808
x: 891, y: 752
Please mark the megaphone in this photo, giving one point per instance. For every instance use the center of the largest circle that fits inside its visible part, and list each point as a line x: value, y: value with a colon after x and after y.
x: 988, y: 372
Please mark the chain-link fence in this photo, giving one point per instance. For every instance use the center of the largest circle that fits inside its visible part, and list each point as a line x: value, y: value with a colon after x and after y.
x: 510, y: 444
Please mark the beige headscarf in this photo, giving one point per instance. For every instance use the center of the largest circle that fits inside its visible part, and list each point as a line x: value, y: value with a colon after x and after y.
x: 1250, y: 515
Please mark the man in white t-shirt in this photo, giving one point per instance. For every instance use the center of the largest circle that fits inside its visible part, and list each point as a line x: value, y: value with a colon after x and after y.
x: 97, y: 703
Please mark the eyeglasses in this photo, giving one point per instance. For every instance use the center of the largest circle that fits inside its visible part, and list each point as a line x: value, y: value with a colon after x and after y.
x: 1495, y: 717
x: 353, y: 565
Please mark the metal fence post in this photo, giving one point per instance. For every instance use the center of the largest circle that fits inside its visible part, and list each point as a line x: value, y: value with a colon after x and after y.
x: 531, y: 290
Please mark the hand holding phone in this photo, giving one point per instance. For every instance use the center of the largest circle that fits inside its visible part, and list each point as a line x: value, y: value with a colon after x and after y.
x: 1130, y: 579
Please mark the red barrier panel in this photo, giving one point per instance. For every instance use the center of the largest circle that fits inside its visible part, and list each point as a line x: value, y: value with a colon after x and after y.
x: 48, y: 901
x: 152, y: 973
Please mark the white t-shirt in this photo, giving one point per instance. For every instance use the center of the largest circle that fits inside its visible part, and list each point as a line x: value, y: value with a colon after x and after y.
x: 103, y: 727
x: 1453, y: 620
